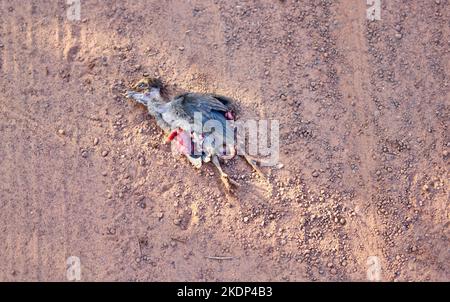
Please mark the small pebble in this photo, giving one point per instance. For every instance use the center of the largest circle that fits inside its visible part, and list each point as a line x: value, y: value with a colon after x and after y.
x: 61, y: 131
x: 105, y: 153
x: 96, y: 140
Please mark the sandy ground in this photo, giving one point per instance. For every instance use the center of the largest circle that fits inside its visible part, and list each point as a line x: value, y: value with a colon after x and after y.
x: 363, y: 109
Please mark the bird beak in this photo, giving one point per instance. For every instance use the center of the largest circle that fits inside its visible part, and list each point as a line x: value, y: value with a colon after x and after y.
x: 129, y: 94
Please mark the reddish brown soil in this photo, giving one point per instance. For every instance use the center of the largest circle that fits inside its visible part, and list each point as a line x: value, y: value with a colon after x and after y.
x: 364, y: 112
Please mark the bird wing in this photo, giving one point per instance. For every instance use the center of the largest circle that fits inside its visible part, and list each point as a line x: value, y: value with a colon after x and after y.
x: 210, y: 106
x: 182, y: 109
x: 205, y: 102
x: 225, y: 101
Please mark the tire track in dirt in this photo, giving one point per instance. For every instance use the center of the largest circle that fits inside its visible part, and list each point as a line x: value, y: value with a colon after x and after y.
x: 17, y: 50
x: 32, y: 42
x: 47, y: 253
x: 36, y: 251
x: 32, y: 255
x: 8, y: 184
x: 34, y: 259
x: 2, y: 38
x: 7, y: 54
x: 49, y: 192
x: 30, y: 252
x: 25, y: 242
x: 18, y: 243
x: 342, y: 253
x: 354, y: 85
x: 20, y: 206
x: 7, y: 177
x: 61, y: 29
x: 317, y: 68
x: 410, y: 88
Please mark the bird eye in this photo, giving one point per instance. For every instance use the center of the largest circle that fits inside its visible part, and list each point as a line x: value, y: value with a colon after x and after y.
x: 141, y: 85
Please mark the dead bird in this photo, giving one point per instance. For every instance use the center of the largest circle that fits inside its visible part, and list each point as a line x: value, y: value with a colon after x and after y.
x: 198, y: 141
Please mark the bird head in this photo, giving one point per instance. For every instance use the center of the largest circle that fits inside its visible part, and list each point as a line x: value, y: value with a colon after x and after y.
x: 148, y: 84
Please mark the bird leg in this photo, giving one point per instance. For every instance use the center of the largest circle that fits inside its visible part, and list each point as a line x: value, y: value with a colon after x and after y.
x: 227, y: 181
x: 252, y: 162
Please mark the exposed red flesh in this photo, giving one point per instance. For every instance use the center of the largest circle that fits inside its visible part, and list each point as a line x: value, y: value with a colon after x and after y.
x: 229, y: 115
x: 172, y: 135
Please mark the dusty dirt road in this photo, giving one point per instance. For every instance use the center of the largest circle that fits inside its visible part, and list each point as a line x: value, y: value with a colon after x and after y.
x: 363, y: 109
